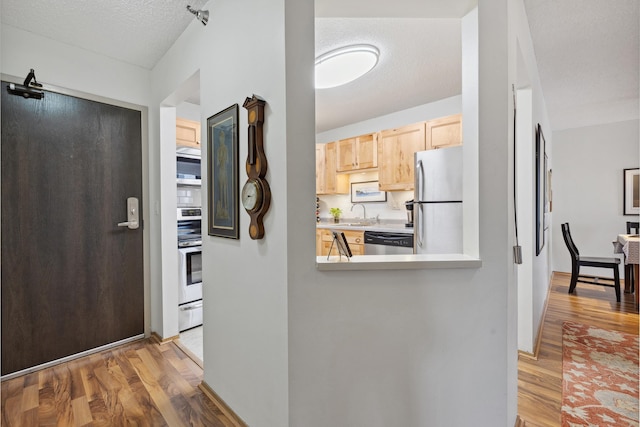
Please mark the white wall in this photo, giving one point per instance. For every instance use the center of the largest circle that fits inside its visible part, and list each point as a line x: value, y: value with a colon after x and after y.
x: 588, y: 188
x: 432, y: 110
x: 71, y: 67
x: 164, y: 224
x: 526, y: 209
x: 189, y: 111
x: 534, y: 269
x: 403, y: 347
x: 286, y: 344
x: 470, y: 132
x: 245, y: 281
x: 393, y: 209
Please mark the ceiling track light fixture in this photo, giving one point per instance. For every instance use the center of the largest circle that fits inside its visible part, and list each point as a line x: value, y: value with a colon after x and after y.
x: 345, y: 64
x: 201, y: 15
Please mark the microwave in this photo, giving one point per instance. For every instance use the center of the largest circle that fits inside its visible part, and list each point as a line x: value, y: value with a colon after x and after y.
x: 188, y: 170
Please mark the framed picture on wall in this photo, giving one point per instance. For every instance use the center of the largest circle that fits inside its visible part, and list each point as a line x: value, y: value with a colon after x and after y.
x: 632, y: 191
x: 368, y: 191
x: 222, y: 168
x: 541, y: 178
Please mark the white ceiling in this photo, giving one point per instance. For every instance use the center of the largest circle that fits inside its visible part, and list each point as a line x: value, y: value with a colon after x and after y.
x: 587, y: 50
x: 420, y: 61
x: 138, y: 32
x: 588, y: 59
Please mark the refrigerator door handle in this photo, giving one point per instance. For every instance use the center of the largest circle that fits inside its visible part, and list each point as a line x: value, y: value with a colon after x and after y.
x: 420, y: 197
x: 420, y: 227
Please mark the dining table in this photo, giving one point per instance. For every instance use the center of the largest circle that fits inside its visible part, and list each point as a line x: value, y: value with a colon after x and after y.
x: 629, y: 245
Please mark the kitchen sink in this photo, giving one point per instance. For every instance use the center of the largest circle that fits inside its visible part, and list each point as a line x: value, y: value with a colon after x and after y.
x: 355, y: 224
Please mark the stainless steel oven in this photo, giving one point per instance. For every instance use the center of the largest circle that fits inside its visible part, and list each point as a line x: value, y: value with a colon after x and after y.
x: 189, y: 268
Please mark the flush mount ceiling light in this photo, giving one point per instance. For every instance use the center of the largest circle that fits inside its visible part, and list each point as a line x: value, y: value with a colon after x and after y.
x: 345, y: 64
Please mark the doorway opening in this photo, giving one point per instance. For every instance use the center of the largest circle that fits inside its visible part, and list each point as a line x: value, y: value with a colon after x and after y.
x: 181, y: 205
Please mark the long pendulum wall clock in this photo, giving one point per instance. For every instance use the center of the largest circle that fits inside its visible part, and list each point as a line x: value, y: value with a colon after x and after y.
x: 256, y: 193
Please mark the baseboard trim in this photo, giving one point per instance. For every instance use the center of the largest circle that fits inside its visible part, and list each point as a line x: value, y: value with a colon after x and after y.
x: 536, y: 347
x: 224, y: 408
x: 527, y: 355
x: 71, y: 357
x: 159, y: 340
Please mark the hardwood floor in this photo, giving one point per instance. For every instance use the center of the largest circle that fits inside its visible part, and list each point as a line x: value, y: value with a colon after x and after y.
x: 540, y: 381
x: 142, y: 383
x: 148, y: 384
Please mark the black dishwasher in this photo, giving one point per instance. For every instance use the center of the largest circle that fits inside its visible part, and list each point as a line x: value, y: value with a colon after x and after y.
x: 387, y: 243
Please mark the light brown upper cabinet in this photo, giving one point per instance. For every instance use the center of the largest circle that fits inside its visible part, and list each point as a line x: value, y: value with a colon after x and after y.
x: 395, y: 156
x: 321, y: 185
x: 358, y: 153
x: 327, y: 180
x: 188, y: 133
x: 444, y: 132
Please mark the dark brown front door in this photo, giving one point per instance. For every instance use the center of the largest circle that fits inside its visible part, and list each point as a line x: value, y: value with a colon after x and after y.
x: 72, y: 280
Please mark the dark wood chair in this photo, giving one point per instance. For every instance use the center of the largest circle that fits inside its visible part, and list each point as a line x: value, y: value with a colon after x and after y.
x: 578, y: 261
x: 632, y: 228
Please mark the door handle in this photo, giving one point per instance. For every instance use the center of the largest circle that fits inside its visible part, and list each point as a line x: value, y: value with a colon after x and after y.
x: 132, y: 214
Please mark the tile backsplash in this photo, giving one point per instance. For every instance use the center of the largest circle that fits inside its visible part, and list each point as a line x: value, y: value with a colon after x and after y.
x: 189, y: 196
x: 392, y: 209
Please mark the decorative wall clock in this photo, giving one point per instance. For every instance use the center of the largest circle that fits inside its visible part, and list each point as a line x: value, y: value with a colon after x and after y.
x: 256, y: 193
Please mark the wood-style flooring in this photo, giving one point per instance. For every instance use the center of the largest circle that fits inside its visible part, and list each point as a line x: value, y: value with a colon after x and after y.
x: 138, y: 384
x: 540, y: 381
x: 148, y: 384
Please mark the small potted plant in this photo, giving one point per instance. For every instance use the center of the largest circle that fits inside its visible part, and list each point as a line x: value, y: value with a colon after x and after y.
x: 335, y: 213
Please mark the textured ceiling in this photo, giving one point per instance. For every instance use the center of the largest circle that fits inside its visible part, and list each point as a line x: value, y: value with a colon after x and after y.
x: 587, y: 50
x: 420, y: 55
x: 420, y: 61
x: 587, y: 54
x: 135, y: 31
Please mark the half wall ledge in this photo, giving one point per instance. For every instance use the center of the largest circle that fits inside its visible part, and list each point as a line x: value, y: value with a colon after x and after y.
x: 397, y: 262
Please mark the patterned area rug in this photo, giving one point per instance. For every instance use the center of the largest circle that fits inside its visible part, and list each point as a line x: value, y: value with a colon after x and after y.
x: 599, y: 377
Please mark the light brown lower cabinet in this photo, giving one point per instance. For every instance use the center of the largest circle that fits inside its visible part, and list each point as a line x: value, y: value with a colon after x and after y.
x: 324, y: 238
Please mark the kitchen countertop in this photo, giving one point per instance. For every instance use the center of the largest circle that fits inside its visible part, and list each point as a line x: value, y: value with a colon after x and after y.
x: 388, y: 262
x: 397, y: 262
x: 389, y: 226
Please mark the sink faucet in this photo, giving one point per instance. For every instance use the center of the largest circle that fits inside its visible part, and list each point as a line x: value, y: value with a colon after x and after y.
x: 364, y: 210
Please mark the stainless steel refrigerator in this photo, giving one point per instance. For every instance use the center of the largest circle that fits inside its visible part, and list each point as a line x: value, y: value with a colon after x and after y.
x: 437, y: 199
